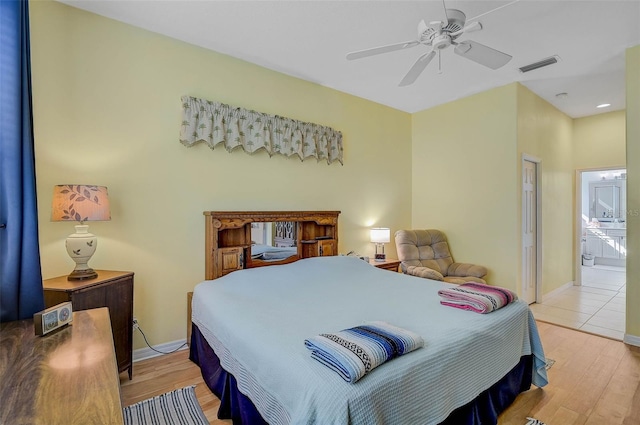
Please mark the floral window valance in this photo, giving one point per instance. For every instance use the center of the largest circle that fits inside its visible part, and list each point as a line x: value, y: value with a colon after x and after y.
x: 214, y: 123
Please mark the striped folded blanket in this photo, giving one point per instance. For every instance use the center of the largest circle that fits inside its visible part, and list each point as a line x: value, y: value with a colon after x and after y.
x: 355, y: 351
x: 477, y: 297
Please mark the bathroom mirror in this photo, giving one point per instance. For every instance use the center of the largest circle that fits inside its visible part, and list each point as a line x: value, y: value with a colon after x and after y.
x: 607, y: 200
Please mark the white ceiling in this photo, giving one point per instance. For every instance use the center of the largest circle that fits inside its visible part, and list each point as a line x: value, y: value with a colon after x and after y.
x: 309, y: 40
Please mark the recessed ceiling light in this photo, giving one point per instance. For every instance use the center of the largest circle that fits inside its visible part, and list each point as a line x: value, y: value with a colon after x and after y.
x: 603, y: 105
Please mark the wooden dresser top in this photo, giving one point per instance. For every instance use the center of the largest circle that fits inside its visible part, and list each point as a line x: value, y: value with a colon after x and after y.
x: 67, y: 377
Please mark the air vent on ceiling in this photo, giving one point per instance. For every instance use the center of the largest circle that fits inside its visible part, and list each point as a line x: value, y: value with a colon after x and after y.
x: 540, y: 64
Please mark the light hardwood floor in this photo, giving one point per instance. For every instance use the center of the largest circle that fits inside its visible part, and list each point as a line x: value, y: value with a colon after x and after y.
x: 594, y: 381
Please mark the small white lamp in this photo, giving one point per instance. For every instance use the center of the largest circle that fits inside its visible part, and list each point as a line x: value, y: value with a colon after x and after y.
x: 80, y: 203
x: 380, y: 236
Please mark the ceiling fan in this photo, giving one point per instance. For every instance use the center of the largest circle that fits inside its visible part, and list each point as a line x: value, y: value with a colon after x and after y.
x: 439, y: 35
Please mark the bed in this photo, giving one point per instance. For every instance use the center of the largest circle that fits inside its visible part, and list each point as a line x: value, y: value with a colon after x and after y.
x: 248, y: 336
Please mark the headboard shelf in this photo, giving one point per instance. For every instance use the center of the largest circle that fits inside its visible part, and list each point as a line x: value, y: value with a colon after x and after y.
x: 232, y: 236
x: 228, y: 242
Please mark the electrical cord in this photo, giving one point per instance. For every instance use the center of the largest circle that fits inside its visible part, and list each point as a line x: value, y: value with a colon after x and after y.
x: 137, y: 326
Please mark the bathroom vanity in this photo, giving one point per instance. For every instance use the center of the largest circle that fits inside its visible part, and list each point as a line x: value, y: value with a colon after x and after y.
x: 604, y: 237
x: 607, y: 244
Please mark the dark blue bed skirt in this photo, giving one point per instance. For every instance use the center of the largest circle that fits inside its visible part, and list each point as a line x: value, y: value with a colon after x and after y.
x: 236, y: 406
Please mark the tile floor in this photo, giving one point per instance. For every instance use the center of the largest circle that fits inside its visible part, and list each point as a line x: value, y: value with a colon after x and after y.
x: 598, y: 306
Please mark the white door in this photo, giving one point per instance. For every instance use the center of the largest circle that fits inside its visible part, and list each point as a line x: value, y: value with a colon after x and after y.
x: 529, y: 231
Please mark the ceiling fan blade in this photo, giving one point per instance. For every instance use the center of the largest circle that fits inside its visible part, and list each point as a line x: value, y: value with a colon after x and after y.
x: 436, y: 26
x: 472, y: 27
x: 493, y: 10
x: 382, y: 49
x: 422, y: 27
x: 482, y: 54
x: 417, y: 68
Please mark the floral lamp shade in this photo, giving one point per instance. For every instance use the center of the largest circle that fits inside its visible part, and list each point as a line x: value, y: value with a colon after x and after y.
x: 76, y: 202
x: 80, y: 203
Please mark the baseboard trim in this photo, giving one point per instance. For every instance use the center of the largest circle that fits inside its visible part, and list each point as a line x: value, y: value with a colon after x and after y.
x: 557, y: 291
x: 167, y: 347
x: 631, y: 340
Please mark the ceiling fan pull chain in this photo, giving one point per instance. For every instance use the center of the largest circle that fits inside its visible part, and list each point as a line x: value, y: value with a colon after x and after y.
x: 439, y: 61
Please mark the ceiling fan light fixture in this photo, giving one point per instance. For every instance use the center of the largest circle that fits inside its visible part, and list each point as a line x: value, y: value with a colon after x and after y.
x: 441, y: 41
x: 540, y: 64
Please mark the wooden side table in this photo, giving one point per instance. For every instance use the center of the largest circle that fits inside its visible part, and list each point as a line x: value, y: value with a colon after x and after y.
x: 68, y: 376
x: 112, y: 289
x: 388, y: 264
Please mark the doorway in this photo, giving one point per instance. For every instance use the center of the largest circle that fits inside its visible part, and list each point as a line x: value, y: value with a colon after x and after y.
x: 601, y: 221
x: 596, y: 303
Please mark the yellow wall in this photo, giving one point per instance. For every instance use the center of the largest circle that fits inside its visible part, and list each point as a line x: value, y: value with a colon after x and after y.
x: 107, y: 111
x: 633, y: 192
x: 546, y: 134
x: 599, y: 141
x: 464, y: 179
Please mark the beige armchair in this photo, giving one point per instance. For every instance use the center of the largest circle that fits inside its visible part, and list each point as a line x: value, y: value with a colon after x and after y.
x: 425, y: 253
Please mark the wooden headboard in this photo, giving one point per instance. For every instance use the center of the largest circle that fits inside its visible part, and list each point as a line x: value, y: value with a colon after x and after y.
x: 228, y: 237
x: 228, y: 240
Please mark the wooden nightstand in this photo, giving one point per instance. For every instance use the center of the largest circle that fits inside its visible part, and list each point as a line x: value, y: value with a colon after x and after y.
x: 388, y: 264
x: 112, y: 289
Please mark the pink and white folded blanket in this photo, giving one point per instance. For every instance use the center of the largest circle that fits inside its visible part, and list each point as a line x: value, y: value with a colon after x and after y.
x: 477, y: 297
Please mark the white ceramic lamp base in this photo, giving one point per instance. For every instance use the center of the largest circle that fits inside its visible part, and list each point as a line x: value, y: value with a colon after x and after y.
x: 80, y: 247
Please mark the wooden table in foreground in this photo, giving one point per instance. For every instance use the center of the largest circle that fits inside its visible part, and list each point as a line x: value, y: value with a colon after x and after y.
x: 69, y: 376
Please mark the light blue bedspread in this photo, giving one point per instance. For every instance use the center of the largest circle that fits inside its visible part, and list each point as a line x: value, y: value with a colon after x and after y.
x: 256, y: 321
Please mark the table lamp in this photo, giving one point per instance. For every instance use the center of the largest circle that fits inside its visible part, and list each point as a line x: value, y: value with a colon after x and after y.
x: 380, y: 236
x: 80, y: 203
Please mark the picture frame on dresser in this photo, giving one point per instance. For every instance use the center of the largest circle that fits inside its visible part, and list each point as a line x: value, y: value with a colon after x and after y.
x: 112, y: 289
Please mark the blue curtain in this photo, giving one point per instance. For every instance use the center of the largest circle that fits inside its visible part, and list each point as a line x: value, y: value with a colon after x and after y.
x: 21, y: 277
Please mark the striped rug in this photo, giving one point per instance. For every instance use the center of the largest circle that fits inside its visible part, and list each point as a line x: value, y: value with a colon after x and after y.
x: 178, y: 407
